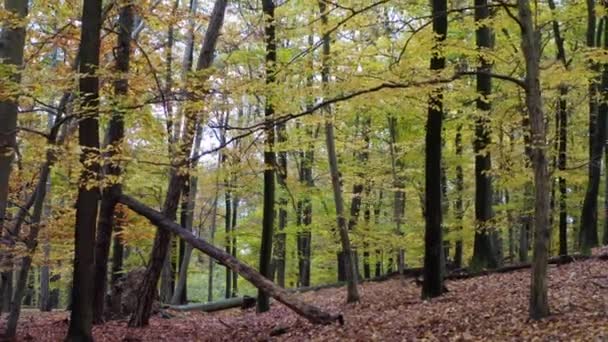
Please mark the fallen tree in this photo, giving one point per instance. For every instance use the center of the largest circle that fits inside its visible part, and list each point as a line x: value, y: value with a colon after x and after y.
x: 310, y: 312
x: 244, y: 302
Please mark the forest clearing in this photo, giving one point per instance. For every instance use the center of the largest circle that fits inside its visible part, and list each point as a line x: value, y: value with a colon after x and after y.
x: 164, y: 162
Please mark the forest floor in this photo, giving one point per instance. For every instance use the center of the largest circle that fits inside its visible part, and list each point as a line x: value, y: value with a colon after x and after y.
x: 490, y: 308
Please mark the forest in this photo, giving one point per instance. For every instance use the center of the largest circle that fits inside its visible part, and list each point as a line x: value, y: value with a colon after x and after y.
x: 303, y: 170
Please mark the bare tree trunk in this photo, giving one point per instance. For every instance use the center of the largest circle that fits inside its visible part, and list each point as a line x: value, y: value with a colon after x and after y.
x: 173, y: 133
x: 597, y: 129
x: 114, y: 138
x: 160, y: 248
x: 188, y: 206
x: 118, y: 255
x: 484, y: 249
x: 81, y: 317
x: 350, y: 267
x: 12, y: 42
x: 308, y: 311
x: 530, y: 44
x: 433, y: 239
x: 211, y: 237
x: 459, y: 205
x: 280, y: 243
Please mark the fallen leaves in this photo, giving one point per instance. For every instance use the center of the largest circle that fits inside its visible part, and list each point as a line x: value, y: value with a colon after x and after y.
x: 491, y: 307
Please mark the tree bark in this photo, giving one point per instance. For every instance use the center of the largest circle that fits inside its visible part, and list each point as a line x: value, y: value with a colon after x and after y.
x: 530, y: 44
x: 280, y: 243
x: 162, y: 239
x: 312, y: 313
x: 114, y: 139
x: 597, y: 128
x: 459, y: 205
x: 81, y: 317
x: 187, y: 222
x: 12, y: 42
x: 349, y: 262
x: 433, y: 238
x: 562, y: 140
x: 484, y: 250
x: 269, y: 156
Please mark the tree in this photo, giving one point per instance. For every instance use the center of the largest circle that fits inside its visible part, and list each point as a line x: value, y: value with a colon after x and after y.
x: 433, y: 236
x: 81, y: 316
x: 530, y: 46
x: 263, y: 304
x: 12, y: 42
x: 349, y: 260
x: 484, y: 249
x: 112, y: 169
x: 597, y: 136
x: 162, y: 238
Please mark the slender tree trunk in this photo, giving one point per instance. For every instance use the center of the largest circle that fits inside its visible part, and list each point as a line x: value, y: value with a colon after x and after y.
x: 83, y: 285
x: 484, y: 251
x: 212, y: 236
x: 173, y: 133
x: 459, y: 205
x: 263, y: 303
x: 234, y: 251
x: 12, y: 42
x: 45, y: 272
x: 562, y: 120
x: 433, y: 238
x: 187, y: 222
x: 114, y: 139
x: 228, y: 229
x: 350, y: 267
x: 280, y: 251
x: 160, y: 247
x: 118, y: 255
x: 398, y: 183
x: 530, y: 44
x: 597, y: 128
x: 31, y: 244
x: 304, y: 217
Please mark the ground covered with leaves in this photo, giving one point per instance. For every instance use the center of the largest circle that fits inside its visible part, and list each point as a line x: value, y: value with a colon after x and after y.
x: 492, y: 307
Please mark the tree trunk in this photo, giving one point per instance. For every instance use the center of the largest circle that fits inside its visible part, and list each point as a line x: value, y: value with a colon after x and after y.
x: 349, y: 262
x: 304, y: 206
x: 234, y: 251
x: 118, y: 256
x: 530, y: 44
x: 269, y: 156
x: 310, y: 312
x: 227, y: 223
x: 187, y: 222
x: 280, y: 251
x: 12, y: 42
x: 484, y: 251
x: 211, y: 238
x: 398, y: 183
x: 162, y: 239
x: 597, y: 129
x: 562, y: 120
x: 83, y: 285
x: 31, y: 244
x: 114, y: 138
x: 459, y: 205
x: 433, y: 238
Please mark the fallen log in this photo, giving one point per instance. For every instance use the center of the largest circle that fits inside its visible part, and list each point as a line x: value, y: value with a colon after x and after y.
x: 560, y: 260
x: 245, y: 302
x: 310, y: 312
